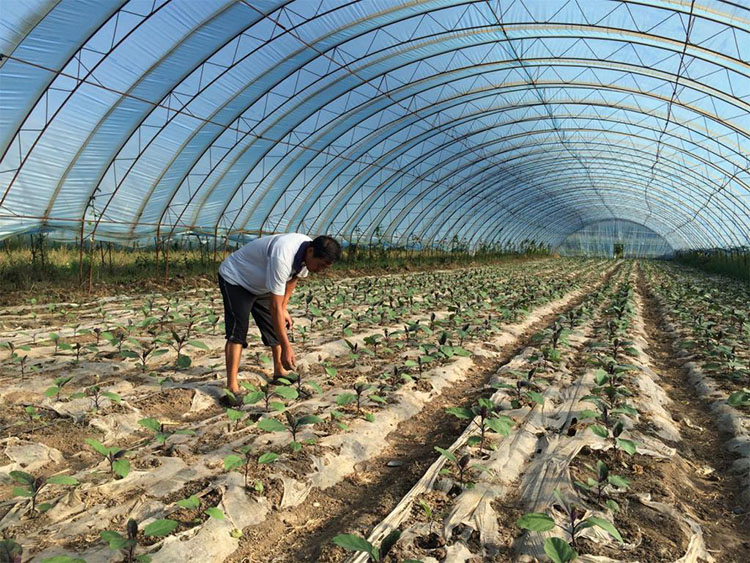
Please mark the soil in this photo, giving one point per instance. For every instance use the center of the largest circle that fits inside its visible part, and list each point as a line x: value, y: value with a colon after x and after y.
x: 703, y: 482
x: 358, y: 503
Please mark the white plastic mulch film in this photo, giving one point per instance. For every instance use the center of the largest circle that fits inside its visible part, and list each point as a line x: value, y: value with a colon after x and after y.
x: 487, y: 122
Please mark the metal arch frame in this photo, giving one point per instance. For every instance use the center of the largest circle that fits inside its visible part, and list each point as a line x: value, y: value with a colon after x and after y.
x: 240, y: 184
x: 717, y: 119
x: 517, y: 232
x: 470, y: 222
x: 665, y: 205
x: 638, y: 110
x: 219, y: 12
x: 421, y: 217
x: 599, y: 119
x: 45, y: 89
x: 630, y: 222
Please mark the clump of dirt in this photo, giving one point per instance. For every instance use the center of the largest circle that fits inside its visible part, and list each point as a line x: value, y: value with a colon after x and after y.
x: 169, y: 405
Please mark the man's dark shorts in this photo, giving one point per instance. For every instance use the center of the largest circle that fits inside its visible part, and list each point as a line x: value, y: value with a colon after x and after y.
x: 239, y: 303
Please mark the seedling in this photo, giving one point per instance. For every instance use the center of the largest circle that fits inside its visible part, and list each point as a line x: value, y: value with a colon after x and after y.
x: 161, y: 434
x: 32, y: 414
x: 575, y: 522
x: 488, y: 417
x: 461, y: 464
x: 234, y: 461
x: 614, y: 435
x: 266, y: 392
x: 118, y: 465
x: 31, y: 486
x: 602, y: 478
x: 354, y: 542
x: 96, y: 394
x: 128, y: 544
x: 294, y: 425
x: 57, y: 388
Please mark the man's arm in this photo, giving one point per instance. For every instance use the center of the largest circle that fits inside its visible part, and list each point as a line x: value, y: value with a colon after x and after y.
x: 278, y: 311
x: 290, y: 285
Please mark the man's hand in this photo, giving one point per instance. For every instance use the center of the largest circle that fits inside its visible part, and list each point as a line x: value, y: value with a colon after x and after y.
x: 288, y: 321
x: 288, y: 359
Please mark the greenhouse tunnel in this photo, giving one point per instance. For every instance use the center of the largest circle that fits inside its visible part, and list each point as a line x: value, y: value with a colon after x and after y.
x: 562, y: 122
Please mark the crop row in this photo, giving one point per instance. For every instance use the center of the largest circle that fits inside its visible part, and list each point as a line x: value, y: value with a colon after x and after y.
x: 140, y: 451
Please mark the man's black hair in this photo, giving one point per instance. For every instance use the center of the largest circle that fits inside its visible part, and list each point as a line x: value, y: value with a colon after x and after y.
x: 327, y: 248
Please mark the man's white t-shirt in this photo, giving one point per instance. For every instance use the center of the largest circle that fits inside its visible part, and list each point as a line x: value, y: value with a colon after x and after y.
x: 265, y: 265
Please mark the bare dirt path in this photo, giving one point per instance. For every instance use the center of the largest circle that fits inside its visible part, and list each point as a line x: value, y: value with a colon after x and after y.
x: 303, y: 534
x: 710, y: 489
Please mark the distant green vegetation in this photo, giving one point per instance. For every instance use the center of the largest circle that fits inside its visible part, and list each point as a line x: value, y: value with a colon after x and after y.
x: 733, y: 262
x: 36, y: 263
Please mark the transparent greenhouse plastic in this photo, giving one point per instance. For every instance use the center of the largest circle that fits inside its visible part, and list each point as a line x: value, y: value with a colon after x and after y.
x: 376, y: 120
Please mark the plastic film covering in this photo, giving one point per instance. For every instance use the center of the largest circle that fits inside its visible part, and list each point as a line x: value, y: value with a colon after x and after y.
x: 488, y: 122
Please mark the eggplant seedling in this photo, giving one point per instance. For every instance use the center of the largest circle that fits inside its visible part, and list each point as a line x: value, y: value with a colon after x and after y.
x: 127, y: 544
x: 461, y: 464
x: 118, y: 465
x: 294, y: 425
x: 11, y: 551
x: 233, y: 461
x: 57, y: 388
x: 599, y: 483
x: 161, y: 434
x: 575, y: 522
x: 353, y: 542
x: 31, y: 486
x: 486, y: 411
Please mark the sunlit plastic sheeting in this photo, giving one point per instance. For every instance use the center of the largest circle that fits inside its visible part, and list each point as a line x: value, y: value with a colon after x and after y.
x: 604, y: 238
x: 499, y: 120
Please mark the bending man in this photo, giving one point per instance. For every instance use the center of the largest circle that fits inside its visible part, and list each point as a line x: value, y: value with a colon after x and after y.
x: 258, y: 279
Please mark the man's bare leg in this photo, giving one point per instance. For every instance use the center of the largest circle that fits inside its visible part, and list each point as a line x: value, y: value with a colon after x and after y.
x: 278, y: 369
x: 233, y: 354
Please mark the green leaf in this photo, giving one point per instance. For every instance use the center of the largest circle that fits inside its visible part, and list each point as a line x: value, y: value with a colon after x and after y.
x: 538, y: 398
x: 233, y: 461
x: 627, y: 445
x: 599, y: 430
x: 192, y: 501
x: 460, y: 412
x: 121, y: 467
x: 115, y: 540
x: 355, y: 543
x: 142, y: 558
x: 236, y: 533
x: 446, y: 453
x: 253, y: 397
x: 234, y: 415
x: 214, y: 512
x: 22, y: 477
x: 19, y: 492
x: 198, y: 344
x: 536, y: 522
x: 129, y: 354
x: 183, y: 361
x: 331, y: 371
x: 345, y: 399
x: 159, y: 352
x: 559, y: 550
x: 160, y: 528
x: 150, y: 423
x: 51, y: 391
x: 587, y: 413
x: 286, y: 392
x: 271, y: 425
x: 618, y: 481
x: 114, y: 397
x: 98, y: 446
x: 268, y: 457
x: 499, y: 425
x: 314, y: 386
x: 369, y: 417
x: 605, y: 525
x: 309, y: 419
x: 62, y: 480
